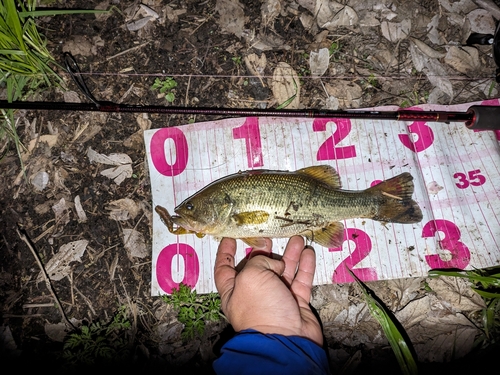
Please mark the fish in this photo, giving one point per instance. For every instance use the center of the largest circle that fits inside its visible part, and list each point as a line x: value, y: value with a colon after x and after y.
x: 256, y: 204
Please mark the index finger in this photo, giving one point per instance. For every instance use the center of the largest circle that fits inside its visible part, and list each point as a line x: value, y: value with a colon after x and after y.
x: 224, y: 271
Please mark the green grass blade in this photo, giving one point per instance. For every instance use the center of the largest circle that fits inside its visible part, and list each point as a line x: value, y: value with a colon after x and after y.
x: 392, y: 329
x: 57, y: 12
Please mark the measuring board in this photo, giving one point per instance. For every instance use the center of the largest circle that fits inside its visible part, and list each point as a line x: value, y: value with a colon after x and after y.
x: 456, y: 175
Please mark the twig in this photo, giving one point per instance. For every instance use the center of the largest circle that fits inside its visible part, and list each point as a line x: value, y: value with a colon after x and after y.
x: 392, y: 196
x: 22, y: 235
x: 128, y: 50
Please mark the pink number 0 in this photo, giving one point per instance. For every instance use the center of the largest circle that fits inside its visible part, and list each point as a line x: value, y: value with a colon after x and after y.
x: 460, y: 254
x: 327, y: 150
x: 363, y: 248
x: 158, y: 157
x: 164, y: 266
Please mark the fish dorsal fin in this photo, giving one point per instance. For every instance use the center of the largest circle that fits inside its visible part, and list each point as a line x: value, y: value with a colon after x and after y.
x: 323, y: 173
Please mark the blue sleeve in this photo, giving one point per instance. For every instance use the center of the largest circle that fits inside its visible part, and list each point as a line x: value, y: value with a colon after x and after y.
x: 252, y: 352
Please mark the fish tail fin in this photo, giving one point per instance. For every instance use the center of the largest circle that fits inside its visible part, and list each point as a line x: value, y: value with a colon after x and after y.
x: 395, y: 198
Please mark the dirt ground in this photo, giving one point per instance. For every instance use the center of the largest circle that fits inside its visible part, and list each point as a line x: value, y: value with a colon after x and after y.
x: 380, y: 53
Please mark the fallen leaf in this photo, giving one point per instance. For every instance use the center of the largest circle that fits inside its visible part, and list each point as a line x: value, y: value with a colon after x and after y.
x: 231, y: 16
x: 456, y: 294
x: 123, y: 164
x: 269, y: 10
x: 433, y: 69
x: 481, y: 21
x: 463, y: 59
x: 256, y: 65
x: 40, y: 180
x: 428, y: 51
x: 82, y: 216
x: 348, y: 93
x: 139, y: 24
x: 118, y: 174
x: 58, y: 266
x: 123, y: 209
x: 395, y: 32
x: 319, y: 61
x: 460, y: 6
x: 331, y: 14
x: 61, y: 211
x: 134, y: 243
x: 286, y: 85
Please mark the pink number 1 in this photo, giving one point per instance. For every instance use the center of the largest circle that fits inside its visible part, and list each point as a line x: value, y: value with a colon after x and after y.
x: 250, y: 132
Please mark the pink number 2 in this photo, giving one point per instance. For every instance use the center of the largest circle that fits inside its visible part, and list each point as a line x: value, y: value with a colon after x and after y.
x: 250, y: 132
x: 363, y: 248
x: 329, y: 150
x: 460, y: 254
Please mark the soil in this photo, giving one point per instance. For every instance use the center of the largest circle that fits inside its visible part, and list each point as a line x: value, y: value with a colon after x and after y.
x: 188, y: 43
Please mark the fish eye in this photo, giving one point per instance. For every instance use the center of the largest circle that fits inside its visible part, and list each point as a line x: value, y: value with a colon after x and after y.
x: 189, y: 206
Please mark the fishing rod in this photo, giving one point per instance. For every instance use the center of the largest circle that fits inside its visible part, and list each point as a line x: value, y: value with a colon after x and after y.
x: 475, y: 118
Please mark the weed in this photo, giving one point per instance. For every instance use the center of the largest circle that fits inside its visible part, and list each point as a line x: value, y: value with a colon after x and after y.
x: 99, y: 342
x: 486, y: 283
x: 237, y: 60
x: 167, y: 87
x: 26, y: 65
x: 194, y: 310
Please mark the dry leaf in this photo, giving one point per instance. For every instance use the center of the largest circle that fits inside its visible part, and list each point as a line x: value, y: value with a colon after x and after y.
x: 460, y: 6
x: 231, y: 17
x: 256, y: 65
x: 456, y: 294
x: 134, y: 243
x: 82, y: 216
x: 463, y: 59
x: 319, y: 61
x: 285, y: 85
x: 394, y: 32
x: 432, y: 53
x: 123, y: 209
x: 481, y: 21
x: 348, y: 93
x: 61, y: 211
x: 58, y: 266
x: 331, y: 14
x: 270, y: 9
x: 123, y: 164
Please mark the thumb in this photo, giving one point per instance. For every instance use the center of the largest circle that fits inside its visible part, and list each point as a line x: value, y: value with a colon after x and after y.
x: 224, y: 272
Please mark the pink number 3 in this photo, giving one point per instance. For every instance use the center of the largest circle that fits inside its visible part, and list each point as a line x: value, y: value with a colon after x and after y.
x: 460, y: 254
x: 424, y: 134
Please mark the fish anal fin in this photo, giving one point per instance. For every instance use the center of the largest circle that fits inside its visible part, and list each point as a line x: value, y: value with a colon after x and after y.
x: 324, y: 173
x: 255, y: 242
x: 330, y: 236
x: 396, y: 203
x: 250, y: 217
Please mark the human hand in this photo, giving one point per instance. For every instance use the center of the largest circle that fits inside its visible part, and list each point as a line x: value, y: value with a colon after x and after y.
x: 269, y: 295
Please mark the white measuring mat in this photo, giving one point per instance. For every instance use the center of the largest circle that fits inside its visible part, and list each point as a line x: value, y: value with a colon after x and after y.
x: 456, y: 175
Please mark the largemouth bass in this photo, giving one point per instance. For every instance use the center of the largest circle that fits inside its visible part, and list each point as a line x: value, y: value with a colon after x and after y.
x: 255, y: 204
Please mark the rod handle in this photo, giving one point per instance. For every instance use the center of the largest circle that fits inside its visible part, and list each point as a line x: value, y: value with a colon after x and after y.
x: 484, y: 117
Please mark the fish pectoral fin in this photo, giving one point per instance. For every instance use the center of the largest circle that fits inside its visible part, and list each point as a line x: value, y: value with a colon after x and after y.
x: 255, y: 242
x: 250, y: 217
x: 330, y: 236
x: 324, y: 173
